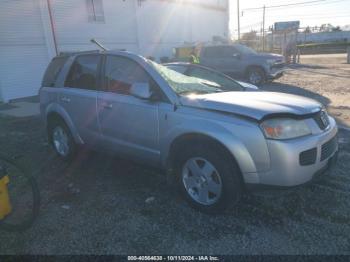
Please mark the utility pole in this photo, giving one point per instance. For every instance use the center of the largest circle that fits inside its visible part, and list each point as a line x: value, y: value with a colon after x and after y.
x: 263, y: 29
x: 239, y: 28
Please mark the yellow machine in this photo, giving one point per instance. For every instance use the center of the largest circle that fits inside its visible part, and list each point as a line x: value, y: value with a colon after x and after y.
x: 184, y: 52
x: 5, y: 205
x: 15, y: 184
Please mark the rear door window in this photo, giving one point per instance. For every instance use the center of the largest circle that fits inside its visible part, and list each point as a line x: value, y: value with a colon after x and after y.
x: 84, y: 72
x: 53, y: 71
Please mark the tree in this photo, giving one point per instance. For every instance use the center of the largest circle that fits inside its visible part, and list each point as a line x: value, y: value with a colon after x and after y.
x: 326, y: 28
x: 329, y: 28
x: 336, y: 29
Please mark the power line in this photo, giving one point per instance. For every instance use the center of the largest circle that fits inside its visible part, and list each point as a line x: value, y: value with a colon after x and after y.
x: 324, y: 17
x: 312, y: 15
x: 306, y: 3
x: 278, y: 7
x: 274, y: 6
x: 257, y: 26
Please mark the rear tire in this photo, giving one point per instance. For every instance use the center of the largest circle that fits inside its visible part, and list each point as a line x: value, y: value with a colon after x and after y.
x: 219, y: 178
x: 256, y: 76
x: 62, y: 140
x: 28, y: 180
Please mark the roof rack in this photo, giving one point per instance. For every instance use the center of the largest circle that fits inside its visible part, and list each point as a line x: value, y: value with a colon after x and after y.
x: 79, y: 52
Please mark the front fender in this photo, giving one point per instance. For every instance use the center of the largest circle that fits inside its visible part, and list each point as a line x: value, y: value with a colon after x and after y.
x: 58, y: 109
x: 217, y: 132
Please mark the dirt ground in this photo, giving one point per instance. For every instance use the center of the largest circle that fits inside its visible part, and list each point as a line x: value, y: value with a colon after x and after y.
x: 97, y: 204
x: 325, y: 78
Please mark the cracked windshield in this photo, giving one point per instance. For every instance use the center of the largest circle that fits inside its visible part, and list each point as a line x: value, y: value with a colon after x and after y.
x: 185, y: 85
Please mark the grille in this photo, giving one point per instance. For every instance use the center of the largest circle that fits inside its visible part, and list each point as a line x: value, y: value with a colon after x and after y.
x: 321, y: 119
x: 328, y: 148
x: 308, y: 157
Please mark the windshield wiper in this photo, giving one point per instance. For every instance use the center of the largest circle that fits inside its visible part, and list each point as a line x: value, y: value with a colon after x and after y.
x: 217, y: 89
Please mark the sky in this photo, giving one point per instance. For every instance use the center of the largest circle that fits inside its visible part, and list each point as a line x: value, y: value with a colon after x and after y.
x: 335, y: 12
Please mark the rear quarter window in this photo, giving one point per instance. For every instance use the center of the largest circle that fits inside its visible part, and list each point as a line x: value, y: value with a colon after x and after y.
x: 53, y: 71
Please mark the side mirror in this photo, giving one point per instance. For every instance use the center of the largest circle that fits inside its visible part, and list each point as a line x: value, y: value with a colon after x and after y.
x: 237, y: 55
x: 141, y: 90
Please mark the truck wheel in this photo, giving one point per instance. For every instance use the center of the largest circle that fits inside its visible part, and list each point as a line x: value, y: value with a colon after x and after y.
x: 61, y: 139
x: 208, y: 179
x: 256, y: 76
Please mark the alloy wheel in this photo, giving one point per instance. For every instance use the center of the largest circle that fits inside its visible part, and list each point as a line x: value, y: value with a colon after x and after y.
x: 202, y: 181
x: 255, y: 77
x: 60, y: 141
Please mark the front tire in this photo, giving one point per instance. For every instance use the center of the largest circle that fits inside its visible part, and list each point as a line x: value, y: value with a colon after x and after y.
x: 61, y: 139
x: 256, y: 76
x: 208, y: 178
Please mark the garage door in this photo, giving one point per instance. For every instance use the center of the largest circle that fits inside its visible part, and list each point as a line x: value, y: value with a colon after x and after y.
x: 23, y: 50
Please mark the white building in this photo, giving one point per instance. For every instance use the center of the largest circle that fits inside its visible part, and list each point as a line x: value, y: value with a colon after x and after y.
x: 33, y: 31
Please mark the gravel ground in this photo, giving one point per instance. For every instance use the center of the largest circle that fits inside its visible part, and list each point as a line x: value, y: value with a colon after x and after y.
x: 104, y: 205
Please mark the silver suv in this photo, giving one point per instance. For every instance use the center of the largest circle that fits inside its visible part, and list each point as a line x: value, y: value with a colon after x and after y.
x: 214, y: 143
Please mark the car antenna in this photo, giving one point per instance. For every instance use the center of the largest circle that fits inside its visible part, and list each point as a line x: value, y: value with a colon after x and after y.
x: 94, y: 41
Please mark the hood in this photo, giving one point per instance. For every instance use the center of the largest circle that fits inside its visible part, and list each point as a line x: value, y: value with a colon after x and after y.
x: 270, y: 56
x: 255, y: 105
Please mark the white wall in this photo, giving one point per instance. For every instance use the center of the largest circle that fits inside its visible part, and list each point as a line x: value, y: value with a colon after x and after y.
x: 23, y: 51
x: 74, y: 31
x: 148, y: 27
x: 151, y: 27
x: 163, y: 25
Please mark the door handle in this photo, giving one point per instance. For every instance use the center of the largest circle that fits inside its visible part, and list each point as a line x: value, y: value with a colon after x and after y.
x: 107, y: 105
x: 65, y: 99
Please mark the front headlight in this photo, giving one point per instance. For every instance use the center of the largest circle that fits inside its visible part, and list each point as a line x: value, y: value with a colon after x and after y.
x: 285, y: 128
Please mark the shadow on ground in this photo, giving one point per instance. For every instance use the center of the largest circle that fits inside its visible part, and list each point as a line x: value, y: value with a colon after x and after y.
x: 309, y: 66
